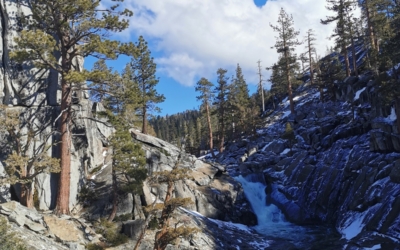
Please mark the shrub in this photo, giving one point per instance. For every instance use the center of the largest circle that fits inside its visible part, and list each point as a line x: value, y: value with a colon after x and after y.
x: 9, y: 241
x: 110, y: 232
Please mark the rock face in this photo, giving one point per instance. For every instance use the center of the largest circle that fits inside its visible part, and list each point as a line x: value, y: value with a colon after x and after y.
x: 341, y: 171
x: 214, y: 193
x: 87, y: 149
x: 35, y: 93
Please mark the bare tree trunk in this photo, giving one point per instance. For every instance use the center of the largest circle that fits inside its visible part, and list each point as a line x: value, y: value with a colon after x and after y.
x: 290, y: 93
x: 144, y: 125
x: 346, y: 60
x: 159, y: 244
x: 353, y: 51
x: 62, y: 206
x: 210, y: 131
x: 369, y: 24
x: 310, y: 62
x: 261, y: 86
x: 27, y: 195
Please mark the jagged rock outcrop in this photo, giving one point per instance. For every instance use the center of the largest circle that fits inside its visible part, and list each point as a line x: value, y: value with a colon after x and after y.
x: 341, y: 171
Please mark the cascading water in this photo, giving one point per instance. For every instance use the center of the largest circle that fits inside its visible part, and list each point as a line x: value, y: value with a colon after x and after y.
x: 271, y: 221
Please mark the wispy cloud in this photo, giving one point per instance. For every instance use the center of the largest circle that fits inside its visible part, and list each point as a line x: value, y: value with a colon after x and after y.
x: 197, y: 37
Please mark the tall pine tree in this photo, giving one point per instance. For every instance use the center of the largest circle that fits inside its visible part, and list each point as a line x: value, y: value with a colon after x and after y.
x: 204, y: 87
x: 53, y: 37
x: 285, y: 45
x: 144, y: 74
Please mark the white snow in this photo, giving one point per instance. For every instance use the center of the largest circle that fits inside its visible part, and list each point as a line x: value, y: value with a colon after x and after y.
x: 354, y: 227
x: 357, y: 96
x: 285, y: 114
x: 376, y: 247
x: 263, y: 149
x: 392, y: 117
x: 287, y: 150
x: 216, y: 152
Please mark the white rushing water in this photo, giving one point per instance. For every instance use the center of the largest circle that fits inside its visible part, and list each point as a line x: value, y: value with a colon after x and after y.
x: 271, y: 220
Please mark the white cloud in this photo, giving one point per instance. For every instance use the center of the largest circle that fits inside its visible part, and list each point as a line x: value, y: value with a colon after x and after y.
x: 197, y: 37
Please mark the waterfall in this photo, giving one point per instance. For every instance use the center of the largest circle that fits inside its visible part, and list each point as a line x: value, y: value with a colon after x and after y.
x: 271, y: 220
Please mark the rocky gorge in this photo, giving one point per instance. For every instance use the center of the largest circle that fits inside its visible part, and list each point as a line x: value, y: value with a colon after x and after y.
x: 338, y: 181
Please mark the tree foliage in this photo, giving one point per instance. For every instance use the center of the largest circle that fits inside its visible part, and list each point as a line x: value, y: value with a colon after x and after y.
x: 285, y: 46
x: 27, y: 157
x: 144, y: 75
x: 54, y: 36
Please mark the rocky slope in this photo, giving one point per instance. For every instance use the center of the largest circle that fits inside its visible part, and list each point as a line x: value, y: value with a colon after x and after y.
x: 339, y: 171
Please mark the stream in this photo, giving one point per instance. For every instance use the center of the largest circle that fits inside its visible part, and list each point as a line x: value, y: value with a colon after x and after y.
x: 272, y: 222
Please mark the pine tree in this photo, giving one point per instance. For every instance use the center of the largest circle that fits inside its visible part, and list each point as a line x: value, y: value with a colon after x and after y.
x: 54, y: 36
x: 128, y: 162
x: 238, y: 100
x: 389, y: 83
x: 285, y: 45
x: 21, y: 165
x: 206, y: 96
x: 342, y: 9
x: 144, y: 70
x: 310, y: 46
x: 221, y: 104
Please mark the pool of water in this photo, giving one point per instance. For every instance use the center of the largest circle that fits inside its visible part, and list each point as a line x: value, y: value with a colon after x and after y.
x: 272, y: 222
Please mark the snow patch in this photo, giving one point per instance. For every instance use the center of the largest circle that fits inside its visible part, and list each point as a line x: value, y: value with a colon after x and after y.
x: 287, y: 150
x: 354, y: 226
x: 263, y: 149
x: 376, y: 247
x: 392, y: 117
x: 357, y: 96
x: 285, y: 114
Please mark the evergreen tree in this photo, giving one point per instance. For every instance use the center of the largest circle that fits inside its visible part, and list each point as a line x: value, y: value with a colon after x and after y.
x: 206, y: 96
x: 342, y: 9
x: 128, y: 162
x: 25, y: 157
x: 53, y: 37
x: 144, y: 74
x: 389, y: 77
x: 310, y: 46
x: 238, y: 100
x: 285, y: 45
x: 221, y: 90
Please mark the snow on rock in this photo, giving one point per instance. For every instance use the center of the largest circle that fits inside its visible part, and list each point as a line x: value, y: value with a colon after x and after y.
x: 287, y: 150
x: 357, y: 96
x: 392, y: 117
x: 376, y: 247
x: 353, y: 226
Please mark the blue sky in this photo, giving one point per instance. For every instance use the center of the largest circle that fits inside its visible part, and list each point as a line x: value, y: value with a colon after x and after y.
x: 190, y: 39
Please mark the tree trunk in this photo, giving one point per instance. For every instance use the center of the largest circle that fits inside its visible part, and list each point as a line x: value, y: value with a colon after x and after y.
x: 115, y: 197
x: 353, y: 51
x: 210, y: 131
x: 369, y: 24
x: 290, y: 93
x: 310, y: 62
x: 346, y: 60
x: 27, y: 195
x: 144, y: 125
x: 62, y: 206
x: 159, y: 243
